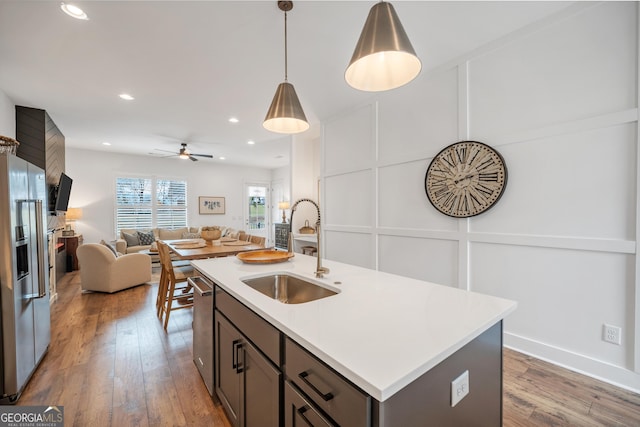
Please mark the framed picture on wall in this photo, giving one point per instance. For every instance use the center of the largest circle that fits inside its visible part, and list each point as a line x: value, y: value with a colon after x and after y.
x: 210, y: 205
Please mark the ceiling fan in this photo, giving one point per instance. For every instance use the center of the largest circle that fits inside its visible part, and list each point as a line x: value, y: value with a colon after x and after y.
x: 184, y: 153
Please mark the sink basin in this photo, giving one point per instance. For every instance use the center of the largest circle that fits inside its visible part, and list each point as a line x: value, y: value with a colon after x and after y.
x: 288, y: 289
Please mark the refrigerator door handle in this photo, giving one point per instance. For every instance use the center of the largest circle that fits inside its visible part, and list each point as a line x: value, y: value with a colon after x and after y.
x: 40, y: 245
x: 42, y: 286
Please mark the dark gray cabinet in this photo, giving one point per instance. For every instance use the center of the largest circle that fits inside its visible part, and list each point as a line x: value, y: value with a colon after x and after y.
x: 299, y: 411
x: 248, y: 383
x: 282, y: 235
x: 264, y: 378
x: 329, y: 391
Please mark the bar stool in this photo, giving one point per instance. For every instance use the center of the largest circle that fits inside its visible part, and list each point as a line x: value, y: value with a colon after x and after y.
x: 173, y: 286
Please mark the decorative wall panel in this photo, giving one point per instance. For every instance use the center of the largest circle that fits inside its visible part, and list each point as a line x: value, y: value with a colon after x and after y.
x: 432, y: 260
x: 576, y: 68
x: 350, y: 248
x: 350, y: 140
x: 408, y: 208
x: 568, y: 293
x: 420, y: 123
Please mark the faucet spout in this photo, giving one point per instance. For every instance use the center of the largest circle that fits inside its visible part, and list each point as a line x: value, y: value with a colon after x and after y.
x: 320, y: 270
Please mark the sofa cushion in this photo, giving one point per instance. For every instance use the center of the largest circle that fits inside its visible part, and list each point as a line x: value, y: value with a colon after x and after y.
x: 191, y: 235
x: 146, y: 238
x: 111, y: 248
x: 131, y: 239
x: 137, y: 248
x: 166, y: 234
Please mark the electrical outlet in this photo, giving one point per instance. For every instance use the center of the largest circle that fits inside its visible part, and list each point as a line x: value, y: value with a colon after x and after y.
x: 612, y: 334
x: 459, y: 388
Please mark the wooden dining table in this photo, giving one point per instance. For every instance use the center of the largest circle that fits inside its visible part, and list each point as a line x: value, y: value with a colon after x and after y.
x: 218, y: 249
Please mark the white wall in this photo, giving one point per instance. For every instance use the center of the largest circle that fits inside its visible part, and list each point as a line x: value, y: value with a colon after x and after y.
x: 305, y: 173
x: 7, y: 116
x: 94, y: 174
x: 559, y: 101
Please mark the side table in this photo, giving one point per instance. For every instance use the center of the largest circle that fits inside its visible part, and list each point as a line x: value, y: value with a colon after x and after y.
x: 71, y: 244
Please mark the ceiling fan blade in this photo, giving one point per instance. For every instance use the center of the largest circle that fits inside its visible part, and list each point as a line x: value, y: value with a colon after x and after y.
x: 208, y: 156
x: 193, y: 159
x: 166, y: 151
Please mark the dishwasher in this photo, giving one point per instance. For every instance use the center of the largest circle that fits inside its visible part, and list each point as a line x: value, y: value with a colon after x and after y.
x: 203, y: 328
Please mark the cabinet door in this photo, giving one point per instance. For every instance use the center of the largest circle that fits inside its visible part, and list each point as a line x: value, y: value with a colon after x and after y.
x: 261, y: 381
x: 227, y: 351
x: 298, y: 412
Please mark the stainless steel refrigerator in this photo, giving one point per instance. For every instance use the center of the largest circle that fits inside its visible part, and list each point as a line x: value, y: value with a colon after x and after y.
x: 24, y: 274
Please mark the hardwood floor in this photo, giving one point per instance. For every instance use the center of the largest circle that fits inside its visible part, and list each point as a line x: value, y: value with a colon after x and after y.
x: 110, y: 363
x: 537, y: 393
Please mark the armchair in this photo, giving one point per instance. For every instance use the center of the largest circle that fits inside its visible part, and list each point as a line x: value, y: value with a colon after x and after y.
x: 101, y: 271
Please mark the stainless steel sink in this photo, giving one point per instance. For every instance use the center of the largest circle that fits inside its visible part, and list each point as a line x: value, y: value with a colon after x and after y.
x: 288, y: 289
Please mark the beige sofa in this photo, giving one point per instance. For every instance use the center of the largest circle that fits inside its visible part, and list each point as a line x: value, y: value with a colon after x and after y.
x: 159, y: 233
x: 164, y: 234
x: 102, y: 271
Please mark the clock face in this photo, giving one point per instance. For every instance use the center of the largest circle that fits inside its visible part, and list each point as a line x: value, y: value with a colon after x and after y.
x: 465, y: 179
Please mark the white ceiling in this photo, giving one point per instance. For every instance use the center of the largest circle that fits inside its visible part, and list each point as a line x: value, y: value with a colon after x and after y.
x: 193, y: 64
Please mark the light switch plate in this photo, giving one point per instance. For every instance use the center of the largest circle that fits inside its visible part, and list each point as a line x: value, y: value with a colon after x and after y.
x: 459, y: 388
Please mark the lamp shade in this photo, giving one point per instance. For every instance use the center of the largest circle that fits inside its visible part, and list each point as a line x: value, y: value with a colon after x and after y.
x: 283, y: 205
x: 383, y: 58
x: 74, y: 214
x: 285, y: 114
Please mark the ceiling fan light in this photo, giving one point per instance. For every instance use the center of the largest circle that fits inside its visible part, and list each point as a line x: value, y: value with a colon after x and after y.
x: 384, y: 58
x: 73, y: 11
x: 183, y: 156
x: 285, y: 114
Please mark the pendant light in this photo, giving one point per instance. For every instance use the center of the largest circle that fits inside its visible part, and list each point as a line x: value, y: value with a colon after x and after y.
x: 285, y: 114
x: 383, y: 58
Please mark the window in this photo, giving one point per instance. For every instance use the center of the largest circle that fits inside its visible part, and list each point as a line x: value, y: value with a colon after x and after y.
x: 150, y: 202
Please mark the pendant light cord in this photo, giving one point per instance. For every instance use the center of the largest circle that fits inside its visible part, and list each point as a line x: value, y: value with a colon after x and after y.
x: 285, y: 46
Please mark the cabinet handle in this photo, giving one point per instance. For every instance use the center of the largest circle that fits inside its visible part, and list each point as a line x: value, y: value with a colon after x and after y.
x: 237, y: 350
x: 301, y: 412
x: 234, y: 354
x: 325, y: 396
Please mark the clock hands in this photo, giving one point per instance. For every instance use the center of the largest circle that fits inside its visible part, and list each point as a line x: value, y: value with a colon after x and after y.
x: 465, y: 177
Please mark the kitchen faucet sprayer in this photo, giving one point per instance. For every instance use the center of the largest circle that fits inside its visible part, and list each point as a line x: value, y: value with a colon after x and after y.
x: 320, y: 270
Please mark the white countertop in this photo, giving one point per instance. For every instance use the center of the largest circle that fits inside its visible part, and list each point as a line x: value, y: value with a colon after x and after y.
x: 382, y: 331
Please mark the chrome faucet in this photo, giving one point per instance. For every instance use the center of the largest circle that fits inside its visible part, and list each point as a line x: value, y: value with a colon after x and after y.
x: 320, y: 270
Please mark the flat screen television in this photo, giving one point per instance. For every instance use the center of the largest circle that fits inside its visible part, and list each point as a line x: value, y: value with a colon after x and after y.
x: 62, y: 193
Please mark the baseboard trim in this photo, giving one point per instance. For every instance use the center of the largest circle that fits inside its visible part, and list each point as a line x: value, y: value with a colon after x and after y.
x: 597, y: 369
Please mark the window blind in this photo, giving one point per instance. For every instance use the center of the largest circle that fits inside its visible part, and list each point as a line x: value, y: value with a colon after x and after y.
x: 150, y: 202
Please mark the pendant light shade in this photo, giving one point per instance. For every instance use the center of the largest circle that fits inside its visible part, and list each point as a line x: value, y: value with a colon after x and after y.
x: 383, y: 58
x: 285, y: 114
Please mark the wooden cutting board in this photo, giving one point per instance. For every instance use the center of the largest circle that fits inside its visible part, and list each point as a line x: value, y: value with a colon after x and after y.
x: 264, y: 257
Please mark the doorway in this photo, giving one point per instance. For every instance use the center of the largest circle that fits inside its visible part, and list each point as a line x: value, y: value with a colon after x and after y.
x: 257, y: 211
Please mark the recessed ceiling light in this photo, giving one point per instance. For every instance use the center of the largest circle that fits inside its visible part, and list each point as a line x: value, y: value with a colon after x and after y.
x: 250, y: 142
x: 126, y: 96
x: 222, y: 158
x: 233, y: 120
x: 106, y: 143
x: 74, y: 11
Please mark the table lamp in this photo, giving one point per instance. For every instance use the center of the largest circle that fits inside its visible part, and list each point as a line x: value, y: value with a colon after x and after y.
x: 73, y: 214
x: 284, y: 206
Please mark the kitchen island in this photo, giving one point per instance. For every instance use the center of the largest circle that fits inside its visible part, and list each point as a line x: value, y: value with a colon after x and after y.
x: 402, y: 343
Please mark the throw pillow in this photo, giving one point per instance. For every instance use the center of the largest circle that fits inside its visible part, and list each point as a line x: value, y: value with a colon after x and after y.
x: 190, y: 235
x: 131, y: 239
x: 111, y: 248
x: 146, y: 238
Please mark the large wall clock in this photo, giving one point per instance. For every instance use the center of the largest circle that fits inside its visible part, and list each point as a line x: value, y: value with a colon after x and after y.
x: 465, y: 179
